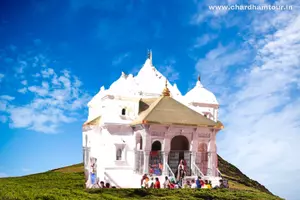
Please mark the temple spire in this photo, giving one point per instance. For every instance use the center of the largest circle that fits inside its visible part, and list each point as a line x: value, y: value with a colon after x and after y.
x: 149, y: 55
x: 166, y: 91
x: 199, y: 81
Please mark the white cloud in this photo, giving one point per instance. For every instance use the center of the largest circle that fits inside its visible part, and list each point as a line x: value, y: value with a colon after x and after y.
x: 7, y: 97
x: 38, y: 90
x: 50, y: 98
x: 168, y: 70
x: 54, y: 104
x: 261, y: 114
x: 24, y: 82
x: 216, y: 64
x: 4, y: 104
x: 203, y: 12
x: 204, y: 39
x: 22, y: 90
x: 119, y: 59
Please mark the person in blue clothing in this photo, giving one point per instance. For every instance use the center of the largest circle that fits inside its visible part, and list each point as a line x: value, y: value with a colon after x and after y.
x: 198, y: 182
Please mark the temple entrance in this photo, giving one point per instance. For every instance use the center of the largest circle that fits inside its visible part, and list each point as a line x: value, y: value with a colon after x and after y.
x: 179, y: 150
x: 156, y: 159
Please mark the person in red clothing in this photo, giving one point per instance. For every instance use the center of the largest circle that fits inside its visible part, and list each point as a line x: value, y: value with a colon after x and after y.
x: 157, y: 183
x: 142, y: 180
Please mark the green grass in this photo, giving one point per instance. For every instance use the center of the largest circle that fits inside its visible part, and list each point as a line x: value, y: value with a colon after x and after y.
x: 68, y: 183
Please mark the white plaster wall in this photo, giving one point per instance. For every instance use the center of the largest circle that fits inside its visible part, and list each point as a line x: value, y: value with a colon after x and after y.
x: 114, y: 107
x: 108, y: 150
x: 84, y: 133
x: 90, y: 135
x: 201, y: 109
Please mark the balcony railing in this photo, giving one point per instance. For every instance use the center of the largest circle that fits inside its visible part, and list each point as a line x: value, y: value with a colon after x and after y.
x: 139, y: 162
x: 169, y: 171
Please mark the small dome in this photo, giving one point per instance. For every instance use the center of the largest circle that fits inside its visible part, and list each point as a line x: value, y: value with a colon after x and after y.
x: 200, y: 95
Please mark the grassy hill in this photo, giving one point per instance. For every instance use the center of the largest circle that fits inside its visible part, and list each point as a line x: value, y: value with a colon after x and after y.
x: 68, y: 183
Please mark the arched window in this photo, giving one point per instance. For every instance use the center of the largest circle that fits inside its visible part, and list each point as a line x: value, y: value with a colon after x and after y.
x: 123, y: 111
x: 156, y: 146
x: 119, y: 154
x: 141, y: 143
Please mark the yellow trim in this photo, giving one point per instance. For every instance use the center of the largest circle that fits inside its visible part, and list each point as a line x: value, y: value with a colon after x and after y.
x: 219, y: 125
x: 169, y: 124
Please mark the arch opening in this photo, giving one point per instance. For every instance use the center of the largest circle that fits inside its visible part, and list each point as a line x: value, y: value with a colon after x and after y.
x: 123, y: 111
x: 180, y: 143
x: 139, y: 142
x: 156, y: 146
x: 179, y: 151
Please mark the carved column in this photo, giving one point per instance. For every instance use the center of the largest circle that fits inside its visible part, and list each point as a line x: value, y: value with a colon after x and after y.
x: 146, y: 162
x: 212, y: 155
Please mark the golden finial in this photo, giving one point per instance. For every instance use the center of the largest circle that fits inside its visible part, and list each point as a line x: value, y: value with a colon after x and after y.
x: 166, y: 91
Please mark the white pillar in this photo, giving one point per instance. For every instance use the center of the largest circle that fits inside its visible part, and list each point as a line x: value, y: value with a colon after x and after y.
x: 146, y: 162
x: 165, y: 158
x: 212, y: 156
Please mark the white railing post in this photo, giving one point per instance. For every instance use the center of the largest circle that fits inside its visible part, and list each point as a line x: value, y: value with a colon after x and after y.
x: 197, y: 171
x: 170, y: 172
x: 165, y: 162
x: 146, y: 162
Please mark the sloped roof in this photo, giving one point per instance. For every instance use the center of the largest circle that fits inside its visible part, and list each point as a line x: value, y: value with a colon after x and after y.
x: 94, y: 121
x: 144, y: 104
x: 166, y: 110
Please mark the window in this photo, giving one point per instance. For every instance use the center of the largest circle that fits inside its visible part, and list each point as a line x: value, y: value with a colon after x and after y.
x: 119, y: 154
x: 123, y: 111
x: 141, y: 143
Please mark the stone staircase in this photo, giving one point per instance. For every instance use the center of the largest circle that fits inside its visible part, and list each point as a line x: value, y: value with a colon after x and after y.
x: 122, y: 177
x: 125, y: 177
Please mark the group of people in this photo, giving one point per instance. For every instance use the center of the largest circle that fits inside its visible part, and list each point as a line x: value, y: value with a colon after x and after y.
x: 151, y: 182
x: 171, y: 183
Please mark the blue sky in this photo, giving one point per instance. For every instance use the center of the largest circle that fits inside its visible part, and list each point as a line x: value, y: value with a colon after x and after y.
x: 55, y: 55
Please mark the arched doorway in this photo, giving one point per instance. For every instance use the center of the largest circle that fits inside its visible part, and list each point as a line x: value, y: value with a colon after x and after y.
x: 156, y: 159
x: 179, y: 150
x: 156, y: 146
x: 180, y: 143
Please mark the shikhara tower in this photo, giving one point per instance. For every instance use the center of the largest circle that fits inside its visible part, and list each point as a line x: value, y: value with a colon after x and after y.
x: 143, y: 124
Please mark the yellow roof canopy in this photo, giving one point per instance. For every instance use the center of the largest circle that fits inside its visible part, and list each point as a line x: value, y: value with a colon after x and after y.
x: 168, y: 111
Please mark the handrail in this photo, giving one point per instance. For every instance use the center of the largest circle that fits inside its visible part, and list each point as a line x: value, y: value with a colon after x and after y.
x: 196, y: 170
x: 169, y: 170
x: 111, y: 180
x: 219, y: 173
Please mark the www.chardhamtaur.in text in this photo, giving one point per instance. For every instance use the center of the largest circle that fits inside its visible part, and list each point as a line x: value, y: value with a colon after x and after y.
x: 250, y: 7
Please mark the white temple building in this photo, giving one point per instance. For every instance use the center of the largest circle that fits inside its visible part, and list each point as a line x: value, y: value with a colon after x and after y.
x: 144, y: 125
